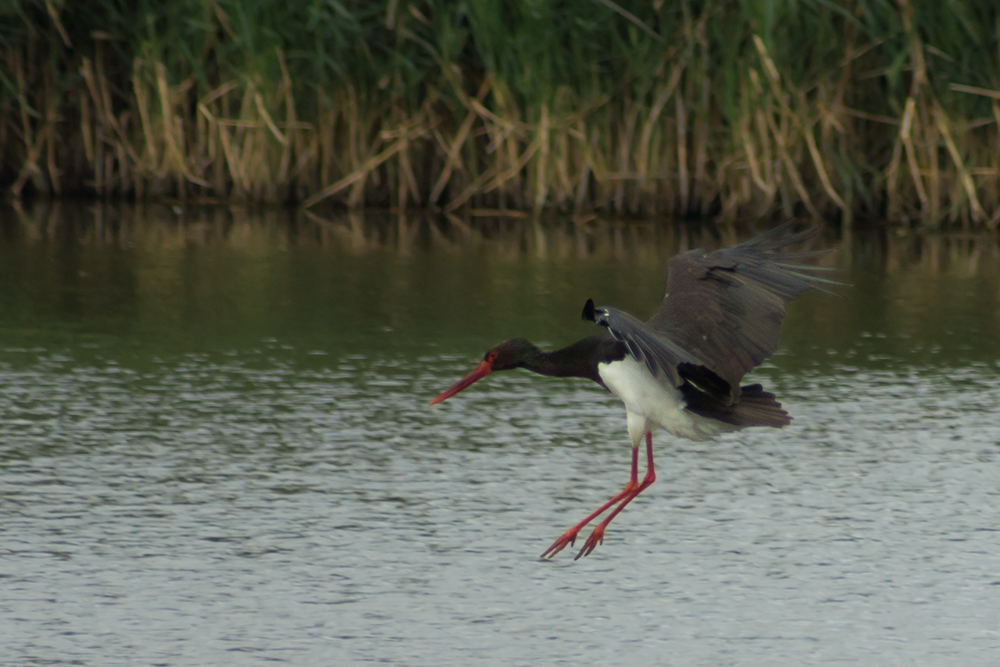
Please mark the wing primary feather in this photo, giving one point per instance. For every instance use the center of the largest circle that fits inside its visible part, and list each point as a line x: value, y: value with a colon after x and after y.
x: 722, y: 311
x: 725, y: 307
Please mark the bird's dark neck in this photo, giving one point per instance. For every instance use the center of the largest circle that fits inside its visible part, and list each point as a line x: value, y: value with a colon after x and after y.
x: 577, y: 360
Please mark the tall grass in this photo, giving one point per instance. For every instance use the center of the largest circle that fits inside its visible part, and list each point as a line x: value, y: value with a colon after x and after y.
x: 833, y: 108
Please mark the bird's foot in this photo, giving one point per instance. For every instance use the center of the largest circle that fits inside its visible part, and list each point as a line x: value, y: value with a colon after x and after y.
x: 567, y: 539
x: 596, y: 537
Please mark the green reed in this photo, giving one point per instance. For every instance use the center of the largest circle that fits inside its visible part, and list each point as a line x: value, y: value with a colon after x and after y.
x: 831, y: 108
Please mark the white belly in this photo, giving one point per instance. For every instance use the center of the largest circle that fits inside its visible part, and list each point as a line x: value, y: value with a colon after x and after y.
x: 652, y: 404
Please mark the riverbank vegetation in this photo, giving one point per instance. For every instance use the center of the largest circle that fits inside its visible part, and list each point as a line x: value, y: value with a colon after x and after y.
x: 830, y: 108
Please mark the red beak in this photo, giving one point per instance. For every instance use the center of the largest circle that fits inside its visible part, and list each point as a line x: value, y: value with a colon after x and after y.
x: 478, y: 373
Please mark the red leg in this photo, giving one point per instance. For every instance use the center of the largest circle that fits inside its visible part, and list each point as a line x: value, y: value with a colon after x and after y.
x: 569, y: 537
x: 597, y: 537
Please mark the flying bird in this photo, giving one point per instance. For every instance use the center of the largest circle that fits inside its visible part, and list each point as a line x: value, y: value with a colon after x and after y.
x: 680, y: 370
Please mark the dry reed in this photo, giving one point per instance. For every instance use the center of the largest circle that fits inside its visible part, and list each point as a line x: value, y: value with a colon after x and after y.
x: 838, y: 110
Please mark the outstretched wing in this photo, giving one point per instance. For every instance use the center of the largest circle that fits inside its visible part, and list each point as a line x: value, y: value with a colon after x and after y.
x: 661, y: 355
x: 725, y: 307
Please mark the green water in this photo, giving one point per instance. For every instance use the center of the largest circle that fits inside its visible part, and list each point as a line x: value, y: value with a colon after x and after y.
x: 215, y: 447
x: 154, y: 282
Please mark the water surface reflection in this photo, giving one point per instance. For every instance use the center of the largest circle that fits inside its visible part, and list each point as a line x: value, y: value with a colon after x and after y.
x: 216, y: 448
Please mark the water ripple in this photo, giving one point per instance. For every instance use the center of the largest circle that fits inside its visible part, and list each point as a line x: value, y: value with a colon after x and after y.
x: 241, y: 511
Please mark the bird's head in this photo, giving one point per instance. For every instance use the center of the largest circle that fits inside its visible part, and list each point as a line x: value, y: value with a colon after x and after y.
x: 513, y: 353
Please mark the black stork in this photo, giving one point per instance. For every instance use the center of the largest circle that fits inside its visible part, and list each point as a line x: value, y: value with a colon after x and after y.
x: 681, y: 369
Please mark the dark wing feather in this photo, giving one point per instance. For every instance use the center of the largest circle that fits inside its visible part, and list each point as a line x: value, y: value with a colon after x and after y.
x: 725, y: 307
x: 661, y: 355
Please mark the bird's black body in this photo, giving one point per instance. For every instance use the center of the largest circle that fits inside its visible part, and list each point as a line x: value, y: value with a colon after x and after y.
x: 682, y: 369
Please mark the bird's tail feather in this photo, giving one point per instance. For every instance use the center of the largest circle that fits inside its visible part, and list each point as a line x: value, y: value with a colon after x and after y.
x: 755, y: 407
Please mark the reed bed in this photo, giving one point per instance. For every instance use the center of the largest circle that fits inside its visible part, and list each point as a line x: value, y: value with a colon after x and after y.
x: 837, y: 109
